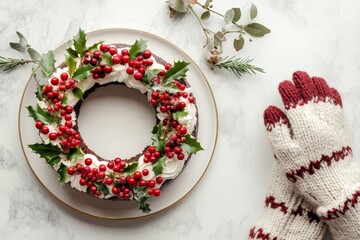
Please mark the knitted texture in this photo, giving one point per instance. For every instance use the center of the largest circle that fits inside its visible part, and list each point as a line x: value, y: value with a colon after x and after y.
x: 287, y: 215
x: 310, y: 143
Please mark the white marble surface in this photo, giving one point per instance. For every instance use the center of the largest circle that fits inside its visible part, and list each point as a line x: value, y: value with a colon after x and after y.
x: 321, y: 37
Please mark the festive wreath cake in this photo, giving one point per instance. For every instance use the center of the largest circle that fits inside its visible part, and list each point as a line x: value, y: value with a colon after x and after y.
x: 167, y: 90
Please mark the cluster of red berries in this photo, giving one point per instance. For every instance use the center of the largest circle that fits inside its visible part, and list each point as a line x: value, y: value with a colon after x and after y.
x: 62, y: 84
x: 168, y: 102
x: 173, y: 144
x: 138, y: 66
x: 151, y: 155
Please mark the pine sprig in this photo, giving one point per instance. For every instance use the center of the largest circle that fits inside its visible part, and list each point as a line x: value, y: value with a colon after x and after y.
x: 239, y: 66
x: 8, y: 64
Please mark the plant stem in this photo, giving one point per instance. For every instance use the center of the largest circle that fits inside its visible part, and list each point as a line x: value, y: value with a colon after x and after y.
x: 205, y: 30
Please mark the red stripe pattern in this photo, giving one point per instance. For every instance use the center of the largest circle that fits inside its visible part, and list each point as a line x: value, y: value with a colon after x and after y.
x: 338, y: 212
x: 260, y: 234
x: 316, y: 165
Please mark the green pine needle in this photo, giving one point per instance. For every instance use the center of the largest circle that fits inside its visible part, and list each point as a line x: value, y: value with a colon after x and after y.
x: 239, y: 66
x: 8, y: 64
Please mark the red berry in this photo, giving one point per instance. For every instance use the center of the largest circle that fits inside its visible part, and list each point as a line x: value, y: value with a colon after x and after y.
x: 137, y: 64
x: 48, y: 88
x: 129, y: 70
x: 82, y: 182
x: 52, y: 136
x: 115, y: 190
x: 140, y: 58
x: 146, y: 54
x: 103, y: 47
x: 95, y: 170
x: 64, y: 76
x: 124, y: 52
x: 152, y: 149
x: 117, y: 161
x: 157, y: 192
x: 113, y: 50
x: 45, y: 130
x: 182, y: 105
x: 153, y: 159
x: 150, y: 191
x: 88, y: 161
x: 107, y: 69
x: 97, y: 193
x: 102, y: 168
x: 162, y: 73
x: 111, y: 165
x: 170, y: 155
x: 89, y: 184
x: 149, y: 62
x: 109, y: 181
x: 183, y: 131
x: 54, y: 81
x: 67, y: 117
x: 116, y: 169
x: 163, y: 109
x: 177, y: 150
x: 151, y: 183
x: 39, y: 124
x: 153, y: 102
x: 137, y: 175
x: 191, y: 99
x: 131, y: 181
x: 68, y: 109
x: 93, y: 61
x: 142, y: 183
x: 155, y: 95
x: 157, y: 154
x: 168, y: 66
x: 62, y: 88
x: 97, y: 54
x: 69, y: 124
x: 138, y: 76
x: 159, y: 180
x: 125, y: 59
x: 116, y: 60
x: 70, y: 171
x: 142, y: 70
x: 93, y: 189
x: 101, y: 175
x: 145, y: 172
x: 180, y: 156
x: 122, y: 164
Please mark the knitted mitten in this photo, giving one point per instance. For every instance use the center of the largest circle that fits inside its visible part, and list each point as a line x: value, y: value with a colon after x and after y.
x: 286, y: 216
x: 311, y: 145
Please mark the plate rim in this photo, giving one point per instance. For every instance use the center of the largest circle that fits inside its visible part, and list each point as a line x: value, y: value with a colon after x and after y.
x: 178, y: 200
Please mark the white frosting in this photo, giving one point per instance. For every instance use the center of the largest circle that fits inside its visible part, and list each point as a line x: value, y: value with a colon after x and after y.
x: 190, y: 119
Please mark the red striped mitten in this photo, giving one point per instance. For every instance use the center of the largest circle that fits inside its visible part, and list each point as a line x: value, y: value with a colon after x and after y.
x: 311, y: 145
x: 286, y: 216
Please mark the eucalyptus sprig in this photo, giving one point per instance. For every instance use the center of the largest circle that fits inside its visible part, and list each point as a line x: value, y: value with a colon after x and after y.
x: 231, y: 28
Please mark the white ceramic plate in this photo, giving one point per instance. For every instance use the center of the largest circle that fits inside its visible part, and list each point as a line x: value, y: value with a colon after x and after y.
x: 180, y: 187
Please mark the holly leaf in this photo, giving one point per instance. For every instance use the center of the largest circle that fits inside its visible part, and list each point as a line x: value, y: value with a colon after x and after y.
x: 64, y: 99
x: 131, y: 168
x: 39, y: 94
x: 62, y: 173
x: 191, y: 145
x: 80, y: 42
x: 137, y: 48
x: 71, y: 64
x: 141, y: 196
x: 78, y: 93
x: 148, y: 76
x: 159, y: 141
x: 256, y: 29
x: 82, y: 72
x: 53, y: 160
x: 107, y: 59
x: 47, y: 63
x: 179, y: 114
x: 47, y: 151
x: 101, y: 187
x: 159, y: 165
x: 75, y: 153
x: 176, y: 72
x: 39, y: 114
x: 34, y: 54
x: 94, y: 47
x: 72, y: 52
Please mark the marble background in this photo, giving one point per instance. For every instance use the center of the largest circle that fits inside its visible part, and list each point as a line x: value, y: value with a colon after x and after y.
x: 321, y: 37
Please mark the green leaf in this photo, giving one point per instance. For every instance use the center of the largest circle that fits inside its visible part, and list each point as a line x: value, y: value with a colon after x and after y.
x: 253, y: 11
x: 229, y: 15
x: 82, y: 72
x: 78, y: 93
x: 179, y: 5
x: 72, y: 52
x: 75, y: 153
x: 22, y: 39
x: 34, y: 54
x: 131, y: 168
x: 47, y: 64
x: 239, y: 43
x: 141, y: 196
x: 237, y: 14
x: 176, y: 72
x: 106, y: 58
x: 178, y: 114
x: 137, y: 48
x: 220, y: 36
x: 148, y: 76
x: 191, y: 145
x: 101, y: 187
x: 159, y: 140
x: 205, y: 15
x: 71, y: 64
x: 62, y: 171
x: 80, y: 42
x: 256, y: 30
x: 17, y: 46
x: 94, y: 47
x: 64, y: 99
x: 159, y: 165
x: 39, y: 93
x: 39, y: 114
x: 53, y: 160
x: 46, y: 151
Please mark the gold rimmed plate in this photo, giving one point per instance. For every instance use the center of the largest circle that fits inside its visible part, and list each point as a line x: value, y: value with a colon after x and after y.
x: 180, y: 187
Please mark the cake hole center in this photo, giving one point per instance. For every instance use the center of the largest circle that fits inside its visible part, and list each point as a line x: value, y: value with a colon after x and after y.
x: 116, y: 121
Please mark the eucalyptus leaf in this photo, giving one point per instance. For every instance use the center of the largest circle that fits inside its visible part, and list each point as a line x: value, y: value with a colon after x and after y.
x: 220, y: 36
x: 256, y: 29
x: 253, y: 11
x: 34, y: 54
x: 205, y: 15
x: 237, y: 14
x: 22, y: 39
x: 239, y: 43
x: 181, y: 6
x: 17, y: 46
x: 229, y: 15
